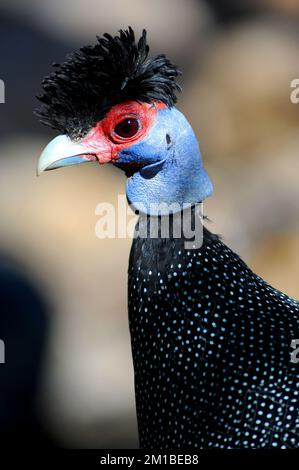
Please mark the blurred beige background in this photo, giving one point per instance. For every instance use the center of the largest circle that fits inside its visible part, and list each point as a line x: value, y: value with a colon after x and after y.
x: 238, y: 62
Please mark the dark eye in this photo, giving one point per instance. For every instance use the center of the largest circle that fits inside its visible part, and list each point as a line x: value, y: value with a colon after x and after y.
x: 127, y: 128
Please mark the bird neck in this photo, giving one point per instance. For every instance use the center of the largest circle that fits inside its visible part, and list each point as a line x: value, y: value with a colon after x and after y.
x: 166, y: 284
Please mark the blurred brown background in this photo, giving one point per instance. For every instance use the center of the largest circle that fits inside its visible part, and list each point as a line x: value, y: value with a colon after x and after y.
x: 238, y: 60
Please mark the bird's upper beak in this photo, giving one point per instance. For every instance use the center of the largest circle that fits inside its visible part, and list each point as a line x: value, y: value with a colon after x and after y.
x: 61, y: 151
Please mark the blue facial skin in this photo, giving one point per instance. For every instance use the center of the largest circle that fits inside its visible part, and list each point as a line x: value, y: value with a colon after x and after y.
x: 173, y: 171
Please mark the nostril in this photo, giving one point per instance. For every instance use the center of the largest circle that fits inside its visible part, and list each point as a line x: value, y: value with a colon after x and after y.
x: 168, y: 139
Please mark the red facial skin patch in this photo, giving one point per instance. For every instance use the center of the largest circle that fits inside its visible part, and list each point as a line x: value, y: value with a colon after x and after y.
x: 103, y: 142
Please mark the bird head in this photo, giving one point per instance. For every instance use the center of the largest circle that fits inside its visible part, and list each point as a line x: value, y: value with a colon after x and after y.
x: 112, y: 103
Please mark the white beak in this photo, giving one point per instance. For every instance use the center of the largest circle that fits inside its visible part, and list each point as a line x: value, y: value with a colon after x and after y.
x: 60, y: 152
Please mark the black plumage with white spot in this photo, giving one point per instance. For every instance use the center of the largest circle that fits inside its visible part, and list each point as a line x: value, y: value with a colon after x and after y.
x: 211, y: 346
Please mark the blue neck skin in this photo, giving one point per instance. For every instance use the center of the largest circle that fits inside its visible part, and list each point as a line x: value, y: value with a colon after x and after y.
x: 172, y: 172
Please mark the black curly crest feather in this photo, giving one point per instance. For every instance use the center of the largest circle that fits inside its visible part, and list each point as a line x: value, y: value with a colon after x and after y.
x: 116, y: 69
